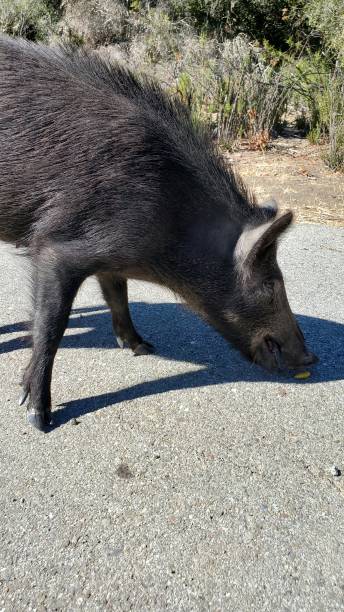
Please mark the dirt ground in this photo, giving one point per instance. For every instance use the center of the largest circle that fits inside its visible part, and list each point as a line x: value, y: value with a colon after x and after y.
x: 293, y: 172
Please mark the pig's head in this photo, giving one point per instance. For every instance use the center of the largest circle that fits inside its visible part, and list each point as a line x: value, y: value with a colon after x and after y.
x: 257, y: 318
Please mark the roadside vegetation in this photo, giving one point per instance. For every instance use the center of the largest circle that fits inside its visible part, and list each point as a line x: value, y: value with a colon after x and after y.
x: 243, y: 66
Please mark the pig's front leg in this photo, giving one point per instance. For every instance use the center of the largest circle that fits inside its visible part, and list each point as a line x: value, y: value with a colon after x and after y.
x: 115, y: 293
x: 54, y: 290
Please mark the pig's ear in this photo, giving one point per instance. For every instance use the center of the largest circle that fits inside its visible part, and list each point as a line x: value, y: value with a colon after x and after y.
x: 256, y: 243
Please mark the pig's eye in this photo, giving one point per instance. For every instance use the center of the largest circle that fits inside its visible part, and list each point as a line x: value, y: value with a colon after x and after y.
x: 272, y: 345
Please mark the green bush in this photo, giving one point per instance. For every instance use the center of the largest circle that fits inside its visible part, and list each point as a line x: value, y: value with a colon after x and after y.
x: 31, y: 19
x: 281, y: 22
x: 317, y: 95
x: 335, y: 155
x: 327, y: 18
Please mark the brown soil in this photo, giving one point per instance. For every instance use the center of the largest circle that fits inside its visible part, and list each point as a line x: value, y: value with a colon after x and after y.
x: 293, y: 172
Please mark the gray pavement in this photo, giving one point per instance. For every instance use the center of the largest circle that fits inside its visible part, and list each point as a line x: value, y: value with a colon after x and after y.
x: 187, y: 480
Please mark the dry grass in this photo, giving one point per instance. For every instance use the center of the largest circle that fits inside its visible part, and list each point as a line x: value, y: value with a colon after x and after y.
x: 293, y: 172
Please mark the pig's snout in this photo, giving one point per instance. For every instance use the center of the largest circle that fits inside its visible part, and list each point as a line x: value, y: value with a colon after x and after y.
x: 298, y: 359
x: 291, y: 355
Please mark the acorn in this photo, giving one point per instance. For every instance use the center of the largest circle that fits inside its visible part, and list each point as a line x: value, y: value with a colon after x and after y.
x: 302, y: 375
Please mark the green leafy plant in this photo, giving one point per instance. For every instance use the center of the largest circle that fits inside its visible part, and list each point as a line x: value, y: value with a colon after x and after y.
x: 30, y: 19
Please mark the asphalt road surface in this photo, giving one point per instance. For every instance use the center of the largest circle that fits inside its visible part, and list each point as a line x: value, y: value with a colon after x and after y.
x: 187, y: 480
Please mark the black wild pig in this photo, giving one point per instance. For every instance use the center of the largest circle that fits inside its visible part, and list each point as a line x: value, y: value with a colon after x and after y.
x: 102, y: 174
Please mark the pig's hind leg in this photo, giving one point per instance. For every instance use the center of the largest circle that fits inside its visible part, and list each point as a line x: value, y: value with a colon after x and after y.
x: 54, y: 289
x: 115, y: 293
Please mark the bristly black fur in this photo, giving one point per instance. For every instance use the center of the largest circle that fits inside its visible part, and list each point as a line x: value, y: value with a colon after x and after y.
x: 102, y: 173
x: 75, y: 99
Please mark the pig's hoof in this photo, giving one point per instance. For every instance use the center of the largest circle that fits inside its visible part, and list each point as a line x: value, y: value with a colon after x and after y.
x: 145, y: 348
x: 23, y: 397
x: 120, y: 342
x: 39, y: 421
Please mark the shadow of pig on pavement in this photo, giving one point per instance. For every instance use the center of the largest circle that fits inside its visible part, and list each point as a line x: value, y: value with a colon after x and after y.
x: 179, y: 335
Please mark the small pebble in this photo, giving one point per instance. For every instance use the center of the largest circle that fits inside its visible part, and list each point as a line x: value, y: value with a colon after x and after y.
x: 123, y: 471
x: 335, y: 471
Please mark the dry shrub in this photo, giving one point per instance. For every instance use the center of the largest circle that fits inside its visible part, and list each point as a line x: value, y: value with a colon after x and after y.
x: 335, y: 155
x: 259, y: 141
x: 221, y: 82
x: 254, y: 95
x: 94, y: 22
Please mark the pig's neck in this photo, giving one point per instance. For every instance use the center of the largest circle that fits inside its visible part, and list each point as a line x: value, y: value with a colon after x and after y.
x: 199, y: 267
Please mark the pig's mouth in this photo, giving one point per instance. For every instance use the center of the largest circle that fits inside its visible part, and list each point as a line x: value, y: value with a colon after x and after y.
x: 270, y: 356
